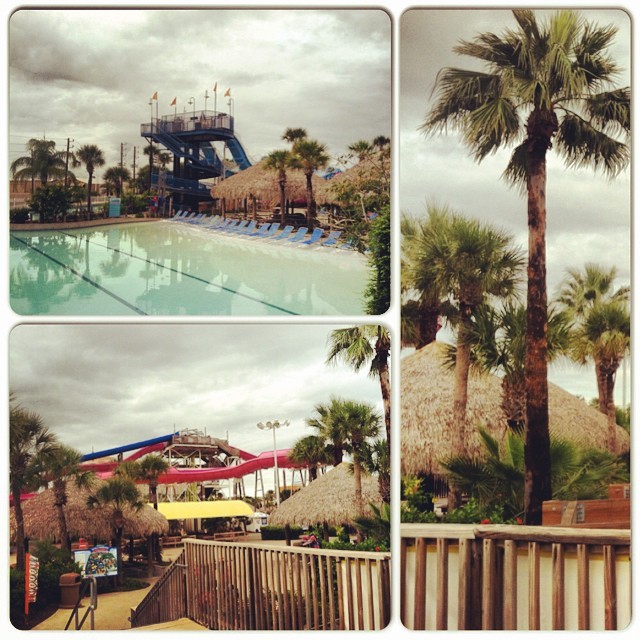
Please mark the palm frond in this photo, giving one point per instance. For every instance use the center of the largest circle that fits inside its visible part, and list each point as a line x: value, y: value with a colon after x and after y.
x: 611, y: 110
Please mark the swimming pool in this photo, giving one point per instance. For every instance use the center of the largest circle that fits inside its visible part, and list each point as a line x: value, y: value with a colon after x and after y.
x: 171, y: 268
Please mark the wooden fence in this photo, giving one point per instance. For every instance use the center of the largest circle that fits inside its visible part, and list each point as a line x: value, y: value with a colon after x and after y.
x: 167, y: 600
x: 264, y: 587
x: 462, y: 577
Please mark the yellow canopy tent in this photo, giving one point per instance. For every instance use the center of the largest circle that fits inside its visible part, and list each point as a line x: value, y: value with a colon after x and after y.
x: 213, y: 509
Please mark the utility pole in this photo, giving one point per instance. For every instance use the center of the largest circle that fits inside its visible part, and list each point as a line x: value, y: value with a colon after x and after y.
x: 121, y: 155
x: 134, y: 168
x: 66, y: 165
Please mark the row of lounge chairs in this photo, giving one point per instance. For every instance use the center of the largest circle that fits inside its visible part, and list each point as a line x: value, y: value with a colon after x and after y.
x: 266, y: 230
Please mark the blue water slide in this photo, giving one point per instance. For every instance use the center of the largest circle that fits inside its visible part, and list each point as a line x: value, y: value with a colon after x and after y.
x: 127, y: 447
x: 239, y: 154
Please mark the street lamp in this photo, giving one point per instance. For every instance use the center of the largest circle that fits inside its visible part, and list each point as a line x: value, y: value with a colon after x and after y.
x: 273, y: 425
x: 193, y: 102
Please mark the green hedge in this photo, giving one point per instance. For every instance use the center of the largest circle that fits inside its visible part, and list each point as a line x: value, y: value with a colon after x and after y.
x: 272, y: 532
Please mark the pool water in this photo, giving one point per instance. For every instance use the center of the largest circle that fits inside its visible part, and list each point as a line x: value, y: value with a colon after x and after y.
x: 171, y: 268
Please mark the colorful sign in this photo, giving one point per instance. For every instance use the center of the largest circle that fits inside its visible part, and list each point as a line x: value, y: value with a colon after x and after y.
x: 97, y: 561
x: 114, y: 207
x: 32, y: 567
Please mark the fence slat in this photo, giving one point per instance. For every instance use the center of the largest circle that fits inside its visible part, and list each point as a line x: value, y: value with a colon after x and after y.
x: 488, y: 584
x: 534, y: 586
x: 442, y: 579
x: 420, y: 587
x: 558, y: 588
x: 610, y: 591
x: 510, y: 600
x: 584, y: 595
x: 464, y: 584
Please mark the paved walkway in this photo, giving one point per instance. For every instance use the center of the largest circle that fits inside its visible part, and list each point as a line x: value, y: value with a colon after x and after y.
x: 79, y: 224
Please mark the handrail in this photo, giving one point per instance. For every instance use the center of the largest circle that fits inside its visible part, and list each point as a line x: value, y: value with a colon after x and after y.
x: 88, y: 583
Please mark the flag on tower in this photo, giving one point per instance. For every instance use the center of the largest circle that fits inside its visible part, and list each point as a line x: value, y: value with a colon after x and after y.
x: 173, y: 103
x: 215, y: 87
x: 227, y: 92
x: 154, y: 96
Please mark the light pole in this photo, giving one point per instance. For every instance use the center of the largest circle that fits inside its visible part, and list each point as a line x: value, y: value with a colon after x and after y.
x: 273, y: 425
x: 193, y: 102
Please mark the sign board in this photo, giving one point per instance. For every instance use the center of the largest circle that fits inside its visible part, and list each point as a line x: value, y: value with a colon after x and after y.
x: 114, y: 207
x: 97, y: 561
x: 32, y: 565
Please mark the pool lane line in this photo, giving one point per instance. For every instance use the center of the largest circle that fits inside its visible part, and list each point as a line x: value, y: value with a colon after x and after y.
x: 83, y: 277
x: 188, y: 275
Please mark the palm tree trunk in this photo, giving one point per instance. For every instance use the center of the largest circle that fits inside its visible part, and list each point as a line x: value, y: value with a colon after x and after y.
x: 119, y: 556
x: 382, y: 358
x: 89, y: 196
x: 311, y: 204
x: 601, y: 379
x: 611, y: 412
x: 19, y: 516
x: 60, y: 500
x: 537, y: 458
x: 283, y: 200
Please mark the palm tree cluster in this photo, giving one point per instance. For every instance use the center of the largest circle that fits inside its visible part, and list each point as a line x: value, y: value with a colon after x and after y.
x: 543, y: 85
x: 306, y: 154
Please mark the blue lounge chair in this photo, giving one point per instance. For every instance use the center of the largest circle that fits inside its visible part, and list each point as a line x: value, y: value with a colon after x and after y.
x: 249, y: 228
x: 298, y: 235
x: 285, y: 233
x: 237, y: 228
x: 198, y: 218
x: 262, y: 229
x: 177, y: 215
x: 314, y: 237
x: 332, y: 239
x: 223, y: 224
x: 271, y: 231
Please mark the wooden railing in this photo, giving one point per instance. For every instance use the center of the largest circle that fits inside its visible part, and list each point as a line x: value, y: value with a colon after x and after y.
x: 166, y: 601
x: 259, y: 586
x: 462, y: 577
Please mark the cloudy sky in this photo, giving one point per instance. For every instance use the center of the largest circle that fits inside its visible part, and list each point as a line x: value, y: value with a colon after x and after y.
x: 588, y: 215
x: 106, y: 385
x: 89, y: 74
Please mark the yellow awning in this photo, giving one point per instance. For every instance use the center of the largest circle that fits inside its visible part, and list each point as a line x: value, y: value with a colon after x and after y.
x: 213, y: 509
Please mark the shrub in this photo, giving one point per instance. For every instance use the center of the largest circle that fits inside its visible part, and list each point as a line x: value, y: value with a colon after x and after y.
x: 19, y: 215
x: 273, y: 532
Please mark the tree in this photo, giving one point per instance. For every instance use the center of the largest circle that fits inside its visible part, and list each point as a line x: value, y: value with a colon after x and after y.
x: 29, y: 439
x: 51, y: 201
x: 310, y: 155
x: 311, y: 451
x: 115, y: 177
x: 114, y: 496
x: 294, y: 134
x: 378, y: 292
x: 59, y: 465
x: 376, y: 461
x: 604, y: 336
x: 150, y: 468
x: 279, y: 161
x: 467, y: 262
x: 497, y: 478
x: 544, y: 83
x: 497, y: 338
x: 42, y: 163
x: 365, y: 345
x: 92, y: 157
x: 579, y: 294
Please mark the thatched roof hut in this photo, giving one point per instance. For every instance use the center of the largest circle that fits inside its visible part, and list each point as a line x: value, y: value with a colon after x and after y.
x: 427, y: 412
x: 262, y: 183
x: 329, y: 498
x: 41, y: 519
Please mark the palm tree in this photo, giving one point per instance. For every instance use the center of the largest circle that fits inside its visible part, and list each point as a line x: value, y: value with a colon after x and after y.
x: 294, y: 134
x: 59, y: 465
x: 43, y: 162
x: 543, y: 83
x: 310, y: 155
x: 362, y: 149
x: 579, y: 294
x: 468, y: 262
x: 92, y: 157
x: 279, y: 161
x: 113, y: 496
x: 376, y: 461
x: 497, y: 478
x: 365, y: 345
x: 29, y: 439
x: 327, y: 430
x: 150, y: 468
x: 497, y: 338
x: 604, y: 336
x: 311, y: 451
x: 115, y: 177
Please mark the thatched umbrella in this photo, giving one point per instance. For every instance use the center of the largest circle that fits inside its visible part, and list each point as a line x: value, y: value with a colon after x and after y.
x: 41, y: 520
x: 262, y: 183
x: 330, y: 498
x: 426, y: 392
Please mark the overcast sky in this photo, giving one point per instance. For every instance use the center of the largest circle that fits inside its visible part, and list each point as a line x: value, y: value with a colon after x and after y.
x: 89, y: 74
x: 588, y: 215
x: 100, y: 386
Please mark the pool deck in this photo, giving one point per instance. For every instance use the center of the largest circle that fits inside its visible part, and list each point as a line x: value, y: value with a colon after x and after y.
x: 79, y: 224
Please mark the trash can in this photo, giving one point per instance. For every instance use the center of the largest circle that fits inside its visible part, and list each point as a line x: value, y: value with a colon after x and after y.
x: 69, y: 590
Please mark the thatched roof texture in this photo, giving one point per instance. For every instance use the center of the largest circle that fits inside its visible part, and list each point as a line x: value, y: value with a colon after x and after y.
x: 262, y: 183
x: 41, y: 519
x: 330, y: 498
x: 427, y: 412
